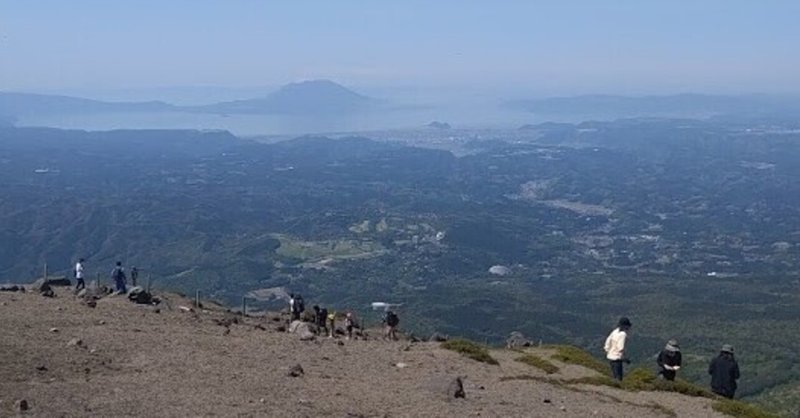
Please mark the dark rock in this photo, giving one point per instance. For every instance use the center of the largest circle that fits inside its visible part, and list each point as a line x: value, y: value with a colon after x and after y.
x: 12, y: 288
x: 91, y: 303
x: 280, y: 328
x: 456, y: 389
x: 296, y: 371
x: 40, y: 285
x: 41, y: 368
x: 437, y: 337
x: 340, y: 343
x: 49, y: 293
x: 138, y: 295
x: 75, y: 342
x: 21, y: 405
x: 517, y: 340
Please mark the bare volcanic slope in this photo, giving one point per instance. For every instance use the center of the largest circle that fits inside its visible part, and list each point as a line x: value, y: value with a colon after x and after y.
x: 65, y: 358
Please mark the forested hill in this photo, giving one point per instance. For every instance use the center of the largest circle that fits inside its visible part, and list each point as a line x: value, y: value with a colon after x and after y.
x: 690, y: 227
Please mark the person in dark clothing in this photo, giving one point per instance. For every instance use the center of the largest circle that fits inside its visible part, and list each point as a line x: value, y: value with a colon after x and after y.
x: 134, y: 275
x: 321, y: 318
x: 669, y: 360
x: 118, y: 275
x: 724, y: 371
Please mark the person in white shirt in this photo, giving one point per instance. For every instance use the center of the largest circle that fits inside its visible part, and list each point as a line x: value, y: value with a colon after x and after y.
x: 80, y: 283
x: 615, y: 347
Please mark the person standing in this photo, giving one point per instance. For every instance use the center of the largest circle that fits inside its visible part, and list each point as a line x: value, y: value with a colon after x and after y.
x: 118, y: 275
x: 80, y: 283
x: 669, y: 360
x: 134, y: 275
x: 615, y: 347
x: 724, y: 371
x: 349, y: 322
x: 391, y: 320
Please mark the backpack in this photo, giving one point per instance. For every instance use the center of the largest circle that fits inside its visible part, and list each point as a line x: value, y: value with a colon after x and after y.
x: 391, y: 319
x: 118, y: 274
x: 323, y: 315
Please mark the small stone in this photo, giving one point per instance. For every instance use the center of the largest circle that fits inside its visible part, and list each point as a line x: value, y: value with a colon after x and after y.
x: 340, y: 343
x: 41, y: 368
x: 54, y: 329
x: 563, y: 408
x: 92, y: 351
x: 75, y: 342
x: 262, y: 400
x: 401, y: 365
x: 101, y: 322
x: 157, y: 310
x: 296, y: 371
x: 21, y: 405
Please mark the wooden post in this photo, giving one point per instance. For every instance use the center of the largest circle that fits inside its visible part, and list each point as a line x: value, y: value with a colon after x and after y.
x: 45, y: 272
x: 97, y: 281
x: 244, y: 306
x: 149, y: 281
x: 197, y: 299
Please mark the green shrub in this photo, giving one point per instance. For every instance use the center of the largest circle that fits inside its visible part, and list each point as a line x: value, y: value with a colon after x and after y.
x: 573, y: 355
x: 471, y: 350
x: 641, y: 379
x: 594, y: 381
x: 740, y: 409
x: 539, y: 363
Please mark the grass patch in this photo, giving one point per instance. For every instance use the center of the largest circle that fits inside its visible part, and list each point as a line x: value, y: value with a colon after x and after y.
x: 594, y: 381
x: 471, y: 350
x: 641, y: 379
x: 740, y: 409
x: 574, y: 355
x: 539, y: 363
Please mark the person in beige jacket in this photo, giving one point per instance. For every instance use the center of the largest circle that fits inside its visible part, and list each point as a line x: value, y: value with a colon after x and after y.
x: 615, y: 347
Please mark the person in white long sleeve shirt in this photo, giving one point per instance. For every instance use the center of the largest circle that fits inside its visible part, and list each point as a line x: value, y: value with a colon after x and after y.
x: 78, y: 271
x: 615, y: 347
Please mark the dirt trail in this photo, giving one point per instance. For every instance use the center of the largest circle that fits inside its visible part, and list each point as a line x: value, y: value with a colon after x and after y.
x: 134, y: 360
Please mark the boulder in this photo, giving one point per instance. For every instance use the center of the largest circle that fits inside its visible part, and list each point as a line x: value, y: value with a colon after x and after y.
x: 49, y: 293
x: 300, y: 327
x: 59, y: 281
x: 21, y: 405
x: 75, y: 342
x: 450, y: 387
x: 137, y: 294
x: 517, y: 340
x: 438, y: 338
x: 296, y: 371
x: 306, y: 335
x: 40, y: 285
x: 12, y: 288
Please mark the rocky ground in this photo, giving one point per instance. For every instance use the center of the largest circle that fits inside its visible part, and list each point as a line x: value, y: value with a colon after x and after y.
x: 65, y: 358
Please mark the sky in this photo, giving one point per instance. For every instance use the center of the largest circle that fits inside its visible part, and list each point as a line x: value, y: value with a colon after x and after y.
x: 535, y: 47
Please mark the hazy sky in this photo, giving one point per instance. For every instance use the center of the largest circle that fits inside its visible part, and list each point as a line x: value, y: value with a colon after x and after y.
x: 553, y: 47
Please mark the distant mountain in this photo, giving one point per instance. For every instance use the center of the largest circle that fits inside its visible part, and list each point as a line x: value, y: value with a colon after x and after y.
x: 26, y: 104
x: 439, y: 125
x: 307, y: 97
x: 681, y: 104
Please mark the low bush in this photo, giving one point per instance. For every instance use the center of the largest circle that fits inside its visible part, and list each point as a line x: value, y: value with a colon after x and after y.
x: 740, y: 409
x: 574, y: 355
x: 539, y: 363
x: 641, y: 379
x: 471, y: 350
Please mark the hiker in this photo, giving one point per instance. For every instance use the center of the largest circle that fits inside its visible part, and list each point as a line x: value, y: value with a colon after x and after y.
x: 348, y: 325
x: 615, y: 347
x: 391, y: 320
x: 724, y: 371
x: 134, y: 275
x: 331, y: 324
x: 321, y: 318
x: 669, y: 360
x: 118, y: 275
x: 78, y: 272
x: 296, y: 306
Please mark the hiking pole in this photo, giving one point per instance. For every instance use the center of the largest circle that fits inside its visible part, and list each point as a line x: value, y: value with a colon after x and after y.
x: 244, y: 306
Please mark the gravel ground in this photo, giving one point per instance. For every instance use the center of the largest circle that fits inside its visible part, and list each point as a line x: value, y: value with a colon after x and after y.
x: 136, y: 360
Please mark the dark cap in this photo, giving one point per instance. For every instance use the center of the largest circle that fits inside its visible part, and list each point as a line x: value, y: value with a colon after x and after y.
x: 624, y: 322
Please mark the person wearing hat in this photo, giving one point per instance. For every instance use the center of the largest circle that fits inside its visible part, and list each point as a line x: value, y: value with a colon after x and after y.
x: 615, y: 347
x: 724, y: 372
x: 669, y: 360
